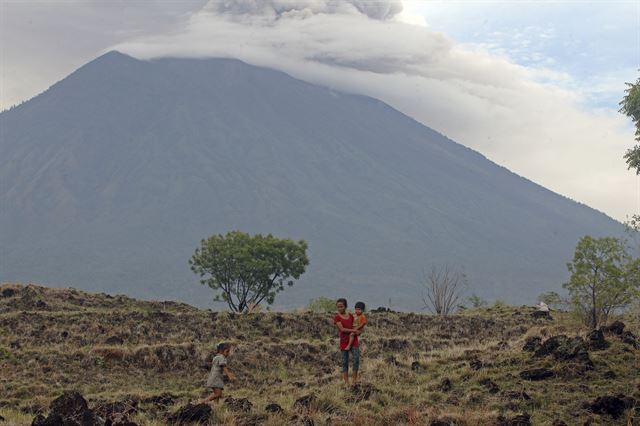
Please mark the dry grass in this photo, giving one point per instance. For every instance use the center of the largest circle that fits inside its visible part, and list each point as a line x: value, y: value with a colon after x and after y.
x: 113, y: 348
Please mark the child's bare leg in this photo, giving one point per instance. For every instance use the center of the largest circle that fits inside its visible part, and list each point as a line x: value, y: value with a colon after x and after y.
x: 351, y: 336
x: 215, y: 396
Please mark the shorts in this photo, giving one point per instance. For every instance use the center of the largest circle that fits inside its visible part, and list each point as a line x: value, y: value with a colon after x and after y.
x: 355, y: 359
x: 215, y: 383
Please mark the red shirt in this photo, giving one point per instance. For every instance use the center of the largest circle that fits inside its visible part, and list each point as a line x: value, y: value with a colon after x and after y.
x: 344, y: 337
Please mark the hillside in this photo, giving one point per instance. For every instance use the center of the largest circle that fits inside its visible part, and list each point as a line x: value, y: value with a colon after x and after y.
x: 109, y: 179
x: 144, y: 360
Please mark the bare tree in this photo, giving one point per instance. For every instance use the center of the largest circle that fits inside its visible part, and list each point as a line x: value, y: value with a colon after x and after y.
x: 442, y: 288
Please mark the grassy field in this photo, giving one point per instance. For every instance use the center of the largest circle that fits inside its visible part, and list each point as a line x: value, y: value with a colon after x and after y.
x: 416, y: 369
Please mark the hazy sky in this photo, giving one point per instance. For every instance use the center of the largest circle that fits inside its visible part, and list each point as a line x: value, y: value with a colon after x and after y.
x: 533, y: 85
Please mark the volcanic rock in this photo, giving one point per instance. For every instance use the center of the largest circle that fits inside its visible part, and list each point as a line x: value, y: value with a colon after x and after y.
x: 616, y: 327
x: 536, y: 374
x: 114, y: 340
x: 490, y: 385
x: 630, y: 339
x: 238, y: 404
x: 613, y: 406
x: 519, y: 420
x: 273, y: 408
x: 532, y: 344
x: 445, y: 385
x: 304, y: 402
x: 541, y: 315
x: 69, y: 409
x: 8, y: 292
x: 516, y: 395
x: 189, y: 414
x: 362, y: 392
x: 596, y: 340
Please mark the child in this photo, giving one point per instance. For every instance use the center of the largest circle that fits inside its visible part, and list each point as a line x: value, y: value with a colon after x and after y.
x: 215, y: 382
x: 359, y: 321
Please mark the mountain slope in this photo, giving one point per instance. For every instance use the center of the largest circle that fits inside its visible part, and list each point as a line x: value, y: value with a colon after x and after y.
x: 110, y: 178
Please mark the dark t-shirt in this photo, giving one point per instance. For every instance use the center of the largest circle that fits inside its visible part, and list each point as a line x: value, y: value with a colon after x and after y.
x: 344, y: 337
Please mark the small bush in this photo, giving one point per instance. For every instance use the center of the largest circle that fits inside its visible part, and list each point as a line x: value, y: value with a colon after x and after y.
x: 321, y: 305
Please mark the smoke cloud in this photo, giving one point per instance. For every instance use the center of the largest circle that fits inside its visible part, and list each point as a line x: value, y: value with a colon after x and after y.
x: 517, y: 116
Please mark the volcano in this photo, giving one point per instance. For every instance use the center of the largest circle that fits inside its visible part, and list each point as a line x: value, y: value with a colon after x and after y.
x: 111, y: 177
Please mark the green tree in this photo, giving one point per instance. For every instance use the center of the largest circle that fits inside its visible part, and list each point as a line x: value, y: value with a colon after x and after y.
x: 476, y: 301
x: 322, y: 305
x: 630, y: 106
x: 246, y: 270
x: 603, y: 278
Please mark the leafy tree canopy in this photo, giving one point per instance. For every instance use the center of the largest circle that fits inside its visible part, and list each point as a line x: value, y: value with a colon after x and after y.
x: 630, y: 106
x: 246, y: 270
x: 604, y: 277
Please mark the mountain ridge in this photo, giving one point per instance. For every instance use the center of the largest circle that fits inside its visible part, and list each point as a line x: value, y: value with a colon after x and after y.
x: 109, y: 161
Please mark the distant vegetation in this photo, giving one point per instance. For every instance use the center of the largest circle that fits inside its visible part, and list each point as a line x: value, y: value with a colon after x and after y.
x: 604, y: 278
x: 630, y: 106
x: 321, y: 305
x: 443, y: 288
x: 246, y: 270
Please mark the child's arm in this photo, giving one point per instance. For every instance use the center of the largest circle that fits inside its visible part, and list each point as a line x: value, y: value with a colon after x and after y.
x: 229, y: 374
x: 360, y: 327
x: 340, y: 327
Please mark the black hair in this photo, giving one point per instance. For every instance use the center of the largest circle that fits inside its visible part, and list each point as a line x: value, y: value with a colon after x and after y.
x: 343, y: 301
x: 223, y: 347
x: 359, y: 305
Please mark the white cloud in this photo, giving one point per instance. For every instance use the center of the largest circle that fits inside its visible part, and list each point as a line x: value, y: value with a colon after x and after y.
x: 517, y: 116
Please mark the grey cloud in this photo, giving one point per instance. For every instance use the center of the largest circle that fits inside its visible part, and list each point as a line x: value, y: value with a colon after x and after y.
x: 483, y: 101
x: 380, y: 10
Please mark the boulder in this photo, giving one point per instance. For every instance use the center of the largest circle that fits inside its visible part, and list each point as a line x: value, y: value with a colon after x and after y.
x: 440, y: 422
x: 304, y: 402
x: 274, y: 408
x: 532, y: 344
x: 161, y: 401
x: 536, y: 374
x: 596, y: 340
x: 189, y: 414
x: 69, y: 409
x: 380, y: 309
x: 362, y: 392
x: 522, y: 395
x: 392, y: 360
x: 613, y: 406
x: 565, y: 348
x: 523, y: 419
x: 416, y: 366
x: 250, y: 420
x: 8, y: 292
x: 490, y: 385
x: 238, y: 404
x: 395, y: 344
x: 113, y: 410
x: 630, y: 339
x: 541, y: 315
x: 616, y: 327
x: 114, y: 340
x: 475, y: 364
x: 445, y: 385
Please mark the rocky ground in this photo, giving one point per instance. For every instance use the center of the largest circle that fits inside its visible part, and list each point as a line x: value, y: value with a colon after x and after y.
x: 72, y: 358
